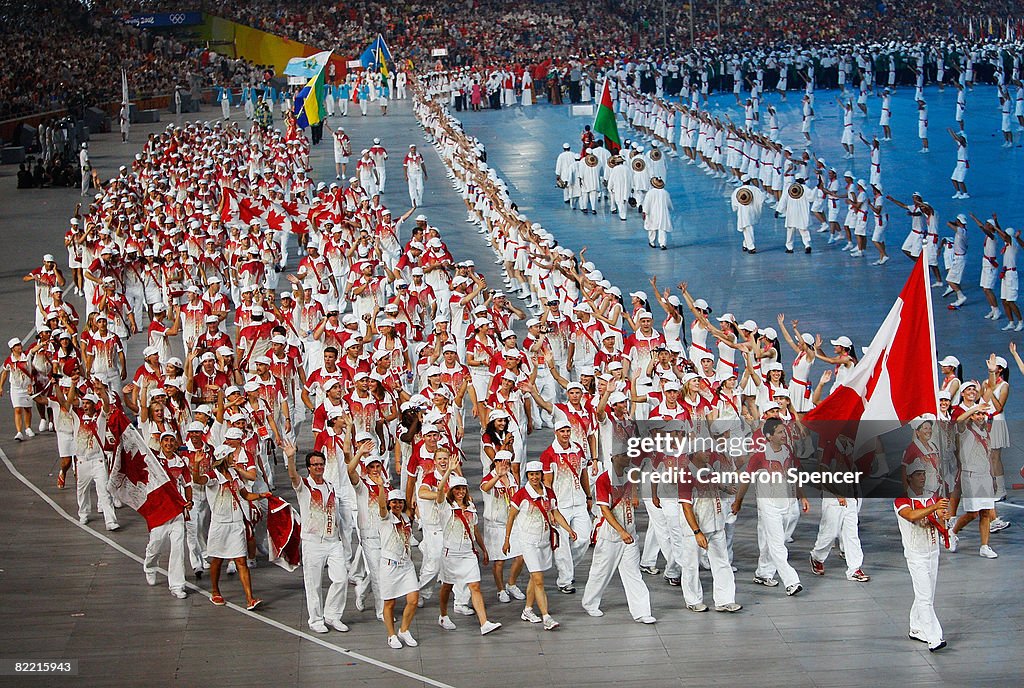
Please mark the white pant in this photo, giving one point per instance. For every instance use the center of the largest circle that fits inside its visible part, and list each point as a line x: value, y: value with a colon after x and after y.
x: 611, y: 556
x: 772, y: 523
x: 316, y: 555
x: 661, y: 236
x: 174, y: 532
x: 721, y: 570
x: 748, y: 237
x: 416, y: 189
x: 924, y: 574
x: 842, y: 522
x: 196, y: 528
x: 369, y: 545
x: 664, y: 535
x: 805, y: 236
x: 225, y: 108
x: 431, y: 545
x: 569, y: 553
x: 546, y: 388
x: 94, y: 470
x: 588, y: 200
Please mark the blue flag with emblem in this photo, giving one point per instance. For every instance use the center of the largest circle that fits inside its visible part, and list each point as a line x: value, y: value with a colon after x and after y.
x: 376, y: 56
x: 307, y: 67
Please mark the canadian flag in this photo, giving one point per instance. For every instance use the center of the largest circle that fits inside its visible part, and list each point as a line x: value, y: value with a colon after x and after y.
x: 235, y: 207
x: 139, y: 480
x: 284, y: 534
x: 895, y: 381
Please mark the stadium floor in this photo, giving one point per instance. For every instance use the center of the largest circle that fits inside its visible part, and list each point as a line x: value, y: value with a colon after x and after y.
x: 73, y: 593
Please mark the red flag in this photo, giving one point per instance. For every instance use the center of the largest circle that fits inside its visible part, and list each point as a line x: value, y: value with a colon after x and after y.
x: 237, y: 208
x: 284, y: 534
x: 895, y: 381
x: 139, y: 480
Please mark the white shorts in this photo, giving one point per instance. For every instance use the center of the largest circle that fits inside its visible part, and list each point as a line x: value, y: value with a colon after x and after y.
x: 397, y: 578
x: 1008, y: 288
x: 977, y: 490
x: 922, y: 131
x: 340, y: 157
x: 20, y: 398
x: 860, y: 228
x: 989, y: 275
x: 912, y: 244
x: 959, y: 172
x: 536, y: 556
x: 878, y: 234
x: 459, y: 567
x: 956, y: 269
x: 226, y: 540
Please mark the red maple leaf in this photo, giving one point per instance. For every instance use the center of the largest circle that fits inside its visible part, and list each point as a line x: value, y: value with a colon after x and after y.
x: 133, y: 465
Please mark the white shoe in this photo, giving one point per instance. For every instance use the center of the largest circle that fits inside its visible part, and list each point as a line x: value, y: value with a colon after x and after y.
x: 515, y: 592
x: 488, y: 627
x: 937, y: 283
x: 42, y: 426
x: 961, y: 300
x: 232, y: 568
x: 949, y: 290
x: 956, y: 196
x: 549, y: 623
x: 646, y: 619
x: 997, y: 315
x: 29, y: 433
x: 596, y: 613
x: 987, y: 552
x: 406, y: 637
x: 1020, y: 326
x: 530, y: 615
x: 848, y: 246
x: 19, y: 437
x: 180, y: 594
x: 997, y: 524
x: 113, y: 526
x: 464, y: 610
x: 445, y: 623
x: 1009, y: 326
x: 504, y: 597
x: 83, y: 519
x: 965, y: 196
x: 318, y: 627
x: 394, y: 643
x: 150, y: 578
x: 954, y: 541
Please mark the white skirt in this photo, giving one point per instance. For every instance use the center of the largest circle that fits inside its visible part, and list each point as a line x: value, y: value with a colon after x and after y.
x: 459, y: 567
x: 226, y: 540
x: 397, y: 578
x: 537, y: 556
x: 999, y: 433
x: 20, y: 398
x: 977, y: 490
x: 494, y: 541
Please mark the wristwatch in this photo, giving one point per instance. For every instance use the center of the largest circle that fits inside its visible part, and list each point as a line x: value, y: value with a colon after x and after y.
x: 696, y: 531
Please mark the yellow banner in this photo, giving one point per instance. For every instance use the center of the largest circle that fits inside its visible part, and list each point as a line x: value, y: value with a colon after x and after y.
x: 262, y: 48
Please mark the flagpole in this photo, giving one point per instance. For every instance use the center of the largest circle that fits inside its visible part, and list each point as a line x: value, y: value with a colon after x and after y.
x: 927, y: 285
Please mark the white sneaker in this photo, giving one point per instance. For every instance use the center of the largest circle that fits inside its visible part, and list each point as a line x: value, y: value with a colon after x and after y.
x: 937, y: 283
x: 83, y: 519
x: 394, y: 643
x: 987, y: 552
x: 464, y: 610
x: 488, y: 627
x: 504, y: 597
x: 19, y: 437
x: 997, y: 524
x: 338, y: 626
x: 515, y: 592
x: 180, y: 594
x: 646, y: 619
x: 884, y: 260
x: 965, y: 196
x: 530, y: 615
x: 42, y: 426
x: 1009, y: 326
x: 29, y: 433
x: 318, y: 627
x: 150, y: 578
x: 549, y: 623
x: 445, y: 623
x: 949, y: 290
x: 961, y: 300
x: 997, y: 315
x: 954, y: 541
x: 406, y: 637
x: 596, y: 613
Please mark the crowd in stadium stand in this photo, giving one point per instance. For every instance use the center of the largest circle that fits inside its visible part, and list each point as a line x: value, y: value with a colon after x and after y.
x: 78, y: 53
